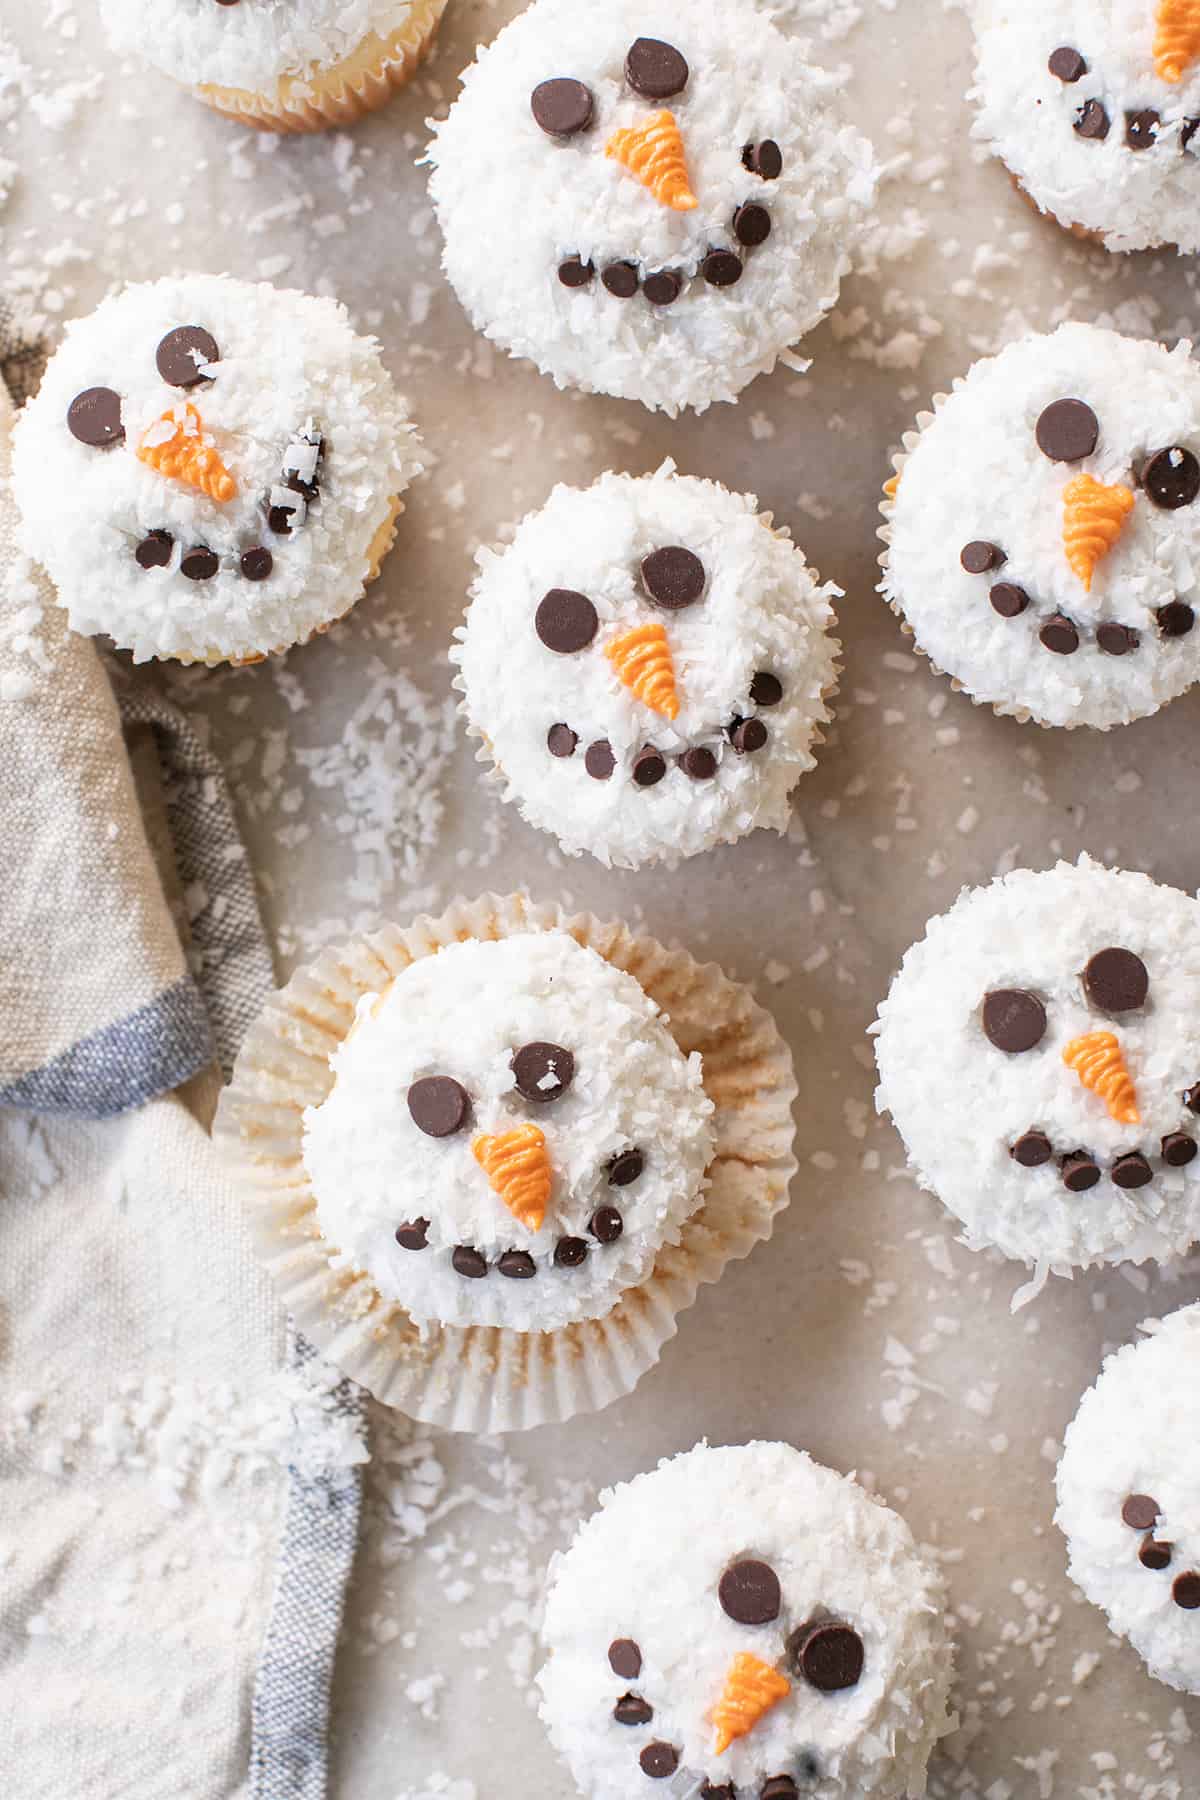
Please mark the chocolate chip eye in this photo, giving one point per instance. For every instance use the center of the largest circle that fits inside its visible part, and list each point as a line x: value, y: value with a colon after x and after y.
x: 562, y: 107
x: 1067, y: 431
x: 1171, y: 478
x: 181, y: 351
x: 655, y: 70
x: 94, y: 417
x: 1066, y: 64
x: 828, y: 1655
x: 439, y: 1105
x: 1013, y: 1020
x: 543, y: 1071
x: 749, y: 1592
x: 673, y: 577
x: 565, y: 621
x: 1116, y: 980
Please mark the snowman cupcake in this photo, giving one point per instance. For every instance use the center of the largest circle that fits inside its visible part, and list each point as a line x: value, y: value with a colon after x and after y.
x: 742, y: 1622
x: 1043, y: 528
x: 1093, y: 106
x: 280, y: 65
x: 687, y: 197
x: 1129, y: 1496
x: 648, y: 664
x: 212, y: 470
x: 1039, y: 1053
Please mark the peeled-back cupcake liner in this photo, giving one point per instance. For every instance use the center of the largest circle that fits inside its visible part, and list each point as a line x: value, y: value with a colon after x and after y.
x: 345, y: 91
x: 490, y: 1378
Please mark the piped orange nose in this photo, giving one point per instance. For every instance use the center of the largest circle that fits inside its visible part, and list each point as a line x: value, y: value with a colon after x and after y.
x: 653, y: 152
x: 1176, y: 38
x: 752, y: 1688
x: 1094, y: 516
x: 517, y: 1164
x: 1097, y: 1060
x: 643, y: 661
x: 174, y: 447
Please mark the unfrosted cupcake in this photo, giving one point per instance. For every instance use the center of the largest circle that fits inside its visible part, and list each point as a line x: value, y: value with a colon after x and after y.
x: 648, y: 664
x: 1093, y: 105
x: 211, y: 469
x: 1129, y: 1496
x: 744, y: 1622
x: 1043, y: 528
x: 281, y: 65
x: 1039, y: 1053
x: 687, y: 196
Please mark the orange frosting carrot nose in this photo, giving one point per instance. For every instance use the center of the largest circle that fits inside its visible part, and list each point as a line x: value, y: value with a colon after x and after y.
x: 1097, y: 1060
x: 653, y: 152
x: 642, y: 659
x: 175, y: 448
x: 751, y: 1689
x: 1176, y: 38
x: 1094, y: 516
x: 517, y: 1163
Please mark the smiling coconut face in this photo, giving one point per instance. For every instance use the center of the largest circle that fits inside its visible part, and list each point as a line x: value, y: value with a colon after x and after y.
x: 233, y: 457
x: 1093, y: 105
x: 746, y: 1625
x: 1129, y: 1496
x: 512, y: 1136
x: 685, y: 198
x: 1044, y: 536
x: 1039, y: 1053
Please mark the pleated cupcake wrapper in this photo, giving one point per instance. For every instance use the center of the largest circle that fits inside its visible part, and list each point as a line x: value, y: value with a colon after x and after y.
x: 492, y: 1378
x: 1084, y: 233
x: 341, y: 93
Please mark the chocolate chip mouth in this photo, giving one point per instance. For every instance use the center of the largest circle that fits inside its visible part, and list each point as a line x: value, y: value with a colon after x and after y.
x: 719, y: 265
x: 1056, y: 632
x: 1079, y: 1170
x: 648, y: 765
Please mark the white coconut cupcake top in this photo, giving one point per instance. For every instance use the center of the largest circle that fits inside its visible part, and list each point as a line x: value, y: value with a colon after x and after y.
x: 1093, y: 105
x: 1039, y: 1053
x: 648, y: 664
x: 247, y: 43
x: 207, y: 465
x: 1129, y: 1496
x: 749, y: 1595
x: 687, y: 199
x: 512, y: 1136
x: 1044, y: 539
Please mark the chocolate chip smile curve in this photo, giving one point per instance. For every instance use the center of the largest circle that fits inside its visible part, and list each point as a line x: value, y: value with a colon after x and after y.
x: 719, y: 266
x: 1061, y: 635
x: 1079, y: 1170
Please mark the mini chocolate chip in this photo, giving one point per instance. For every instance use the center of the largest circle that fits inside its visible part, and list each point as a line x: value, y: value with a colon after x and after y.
x: 655, y: 70
x: 625, y: 1658
x: 154, y: 551
x: 181, y: 350
x: 673, y: 577
x: 1191, y: 1098
x: 561, y: 740
x: 438, y: 1105
x: 199, y: 564
x: 748, y: 735
x: 469, y: 1262
x: 257, y: 563
x: 1141, y: 129
x: 766, y: 689
x: 1140, y: 1512
x: 279, y: 518
x: 94, y: 417
x: 1008, y: 599
x: 1175, y: 619
x: 779, y: 1787
x: 565, y: 621
x: 1032, y: 1149
x: 1079, y: 1172
x: 1067, y: 431
x: 1178, y: 1149
x: 574, y: 273
x: 413, y: 1234
x: 625, y: 1168
x: 979, y: 556
x: 561, y: 106
x: 1116, y: 640
x: 751, y: 224
x: 1132, y: 1170
x: 710, y: 1791
x: 659, y: 1760
x: 1059, y: 635
x: 1013, y: 1019
x: 1185, y: 1590
x: 543, y: 1071
x: 649, y: 766
x: 1171, y: 478
x: 606, y: 1224
x: 1091, y: 121
x: 569, y: 1252
x: 1154, y: 1554
x: 699, y: 763
x: 1066, y: 64
x: 1116, y: 980
x: 663, y: 287
x: 517, y: 1265
x: 721, y: 268
x: 598, y: 760
x: 1190, y: 128
x: 765, y: 159
x: 621, y: 279
x: 749, y: 1592
x: 828, y: 1655
x: 631, y: 1709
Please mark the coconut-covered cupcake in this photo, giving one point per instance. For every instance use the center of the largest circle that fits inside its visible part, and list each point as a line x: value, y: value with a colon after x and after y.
x: 1039, y: 1053
x: 1043, y: 528
x: 745, y: 1622
x: 687, y: 196
x: 648, y: 664
x: 1129, y: 1496
x: 1093, y: 106
x: 211, y: 469
x: 281, y: 65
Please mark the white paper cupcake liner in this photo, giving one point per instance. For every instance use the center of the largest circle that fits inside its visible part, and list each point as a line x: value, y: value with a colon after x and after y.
x: 488, y: 1379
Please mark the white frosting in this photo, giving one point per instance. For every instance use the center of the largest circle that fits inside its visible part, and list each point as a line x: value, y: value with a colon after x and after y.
x: 287, y: 362
x: 762, y: 610
x: 647, y: 1566
x: 959, y: 1102
x: 250, y: 44
x: 975, y: 472
x: 1134, y: 198
x: 1137, y: 1431
x: 514, y: 203
x: 463, y: 1013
